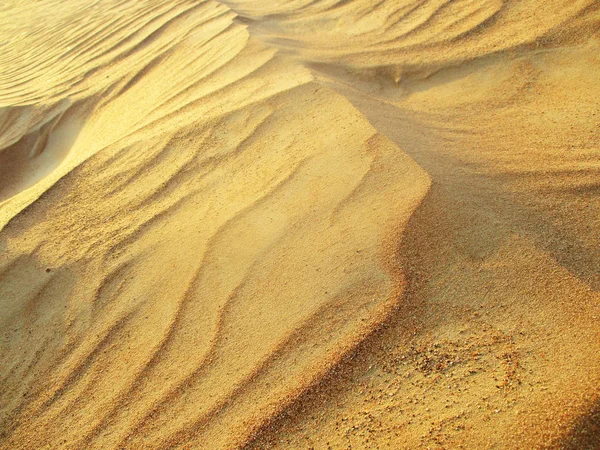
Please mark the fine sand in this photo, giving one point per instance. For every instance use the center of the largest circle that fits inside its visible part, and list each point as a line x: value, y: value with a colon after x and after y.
x: 295, y: 224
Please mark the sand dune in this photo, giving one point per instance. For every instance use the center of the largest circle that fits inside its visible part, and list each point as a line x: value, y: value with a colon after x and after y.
x: 299, y: 224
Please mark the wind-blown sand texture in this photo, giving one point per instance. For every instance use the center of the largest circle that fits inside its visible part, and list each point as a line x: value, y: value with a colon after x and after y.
x: 299, y: 224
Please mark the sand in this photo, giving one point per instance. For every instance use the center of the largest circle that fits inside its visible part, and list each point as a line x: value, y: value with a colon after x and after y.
x: 299, y: 224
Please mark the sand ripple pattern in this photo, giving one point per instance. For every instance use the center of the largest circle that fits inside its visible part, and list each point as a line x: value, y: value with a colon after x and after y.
x: 205, y: 206
x: 200, y: 261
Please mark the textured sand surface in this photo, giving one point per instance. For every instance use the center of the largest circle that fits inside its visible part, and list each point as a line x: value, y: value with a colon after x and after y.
x: 300, y: 224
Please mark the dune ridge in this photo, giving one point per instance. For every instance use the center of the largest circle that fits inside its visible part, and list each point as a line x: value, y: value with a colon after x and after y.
x: 286, y: 224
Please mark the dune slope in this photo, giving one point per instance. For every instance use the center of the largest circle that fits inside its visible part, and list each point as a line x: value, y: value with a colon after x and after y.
x: 299, y: 224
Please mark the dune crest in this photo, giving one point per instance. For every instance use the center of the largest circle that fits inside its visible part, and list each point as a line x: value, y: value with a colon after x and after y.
x: 298, y: 224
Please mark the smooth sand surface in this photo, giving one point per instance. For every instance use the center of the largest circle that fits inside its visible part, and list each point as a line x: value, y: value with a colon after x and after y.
x: 300, y: 224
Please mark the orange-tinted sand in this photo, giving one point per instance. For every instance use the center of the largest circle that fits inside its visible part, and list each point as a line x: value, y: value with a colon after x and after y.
x: 299, y: 224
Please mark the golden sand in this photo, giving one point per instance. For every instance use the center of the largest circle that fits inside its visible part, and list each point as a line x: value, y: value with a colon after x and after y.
x: 299, y: 224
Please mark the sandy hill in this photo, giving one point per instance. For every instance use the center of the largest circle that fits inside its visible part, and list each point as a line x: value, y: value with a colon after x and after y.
x: 299, y: 224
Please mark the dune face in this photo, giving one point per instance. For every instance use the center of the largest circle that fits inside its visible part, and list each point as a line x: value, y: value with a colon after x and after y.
x: 299, y: 224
